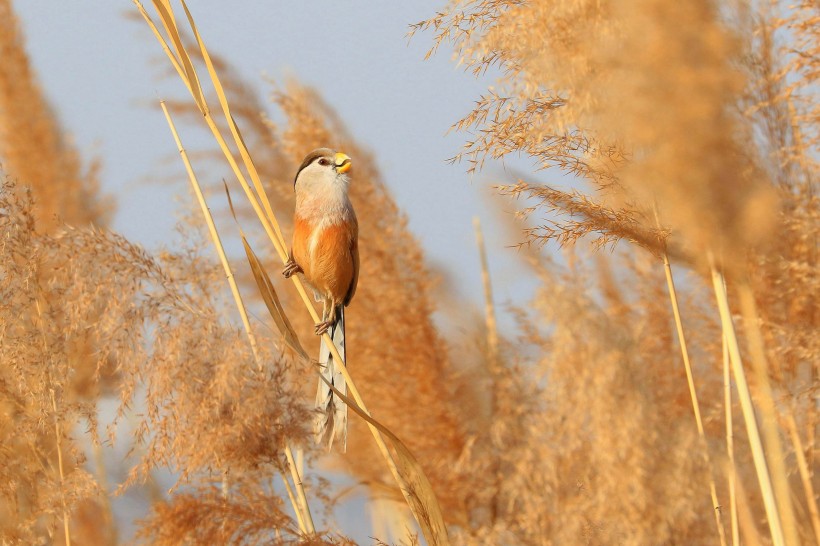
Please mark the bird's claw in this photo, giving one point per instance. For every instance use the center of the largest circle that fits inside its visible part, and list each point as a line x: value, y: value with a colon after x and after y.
x: 322, y: 327
x: 290, y: 268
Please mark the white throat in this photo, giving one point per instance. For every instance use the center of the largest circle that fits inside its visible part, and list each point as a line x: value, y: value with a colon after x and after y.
x: 323, y: 197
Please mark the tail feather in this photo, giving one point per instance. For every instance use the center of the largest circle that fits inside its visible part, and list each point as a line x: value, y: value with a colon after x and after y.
x: 331, y: 413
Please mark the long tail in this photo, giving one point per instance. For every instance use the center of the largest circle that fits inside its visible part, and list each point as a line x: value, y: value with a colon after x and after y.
x: 331, y: 414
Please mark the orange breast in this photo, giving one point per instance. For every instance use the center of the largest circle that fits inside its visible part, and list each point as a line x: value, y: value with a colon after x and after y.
x: 325, y: 254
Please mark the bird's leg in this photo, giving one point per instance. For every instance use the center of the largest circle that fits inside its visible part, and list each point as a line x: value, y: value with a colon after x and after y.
x: 291, y: 267
x: 328, y: 317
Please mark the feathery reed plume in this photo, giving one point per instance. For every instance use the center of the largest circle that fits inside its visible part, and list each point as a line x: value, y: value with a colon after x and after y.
x: 586, y: 219
x: 252, y: 515
x: 702, y: 110
x: 35, y: 152
x: 33, y: 148
x: 567, y: 99
x: 154, y: 325
x: 586, y: 419
x: 42, y: 480
x: 160, y: 321
x: 53, y: 188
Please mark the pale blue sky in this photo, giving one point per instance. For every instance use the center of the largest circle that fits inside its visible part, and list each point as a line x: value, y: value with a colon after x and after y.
x: 96, y: 67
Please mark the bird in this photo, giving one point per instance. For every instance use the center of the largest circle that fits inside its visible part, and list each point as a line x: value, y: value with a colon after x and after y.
x: 325, y: 252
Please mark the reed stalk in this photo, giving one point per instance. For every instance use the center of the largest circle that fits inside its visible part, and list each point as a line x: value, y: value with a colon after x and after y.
x: 57, y: 431
x: 209, y: 221
x: 301, y: 508
x: 60, y: 468
x: 805, y: 474
x: 693, y: 394
x: 489, y: 306
x: 300, y: 491
x: 293, y: 502
x: 730, y: 443
x: 748, y: 409
x: 769, y: 415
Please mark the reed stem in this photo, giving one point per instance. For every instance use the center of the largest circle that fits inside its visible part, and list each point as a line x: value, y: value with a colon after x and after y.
x: 748, y: 410
x: 489, y: 306
x: 302, y: 506
x: 60, y: 467
x: 730, y: 443
x: 805, y: 475
x: 768, y: 415
x: 293, y: 502
x: 693, y: 394
x: 300, y: 491
x: 57, y: 433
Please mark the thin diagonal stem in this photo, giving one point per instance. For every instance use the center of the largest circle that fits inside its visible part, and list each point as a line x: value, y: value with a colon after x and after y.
x: 730, y: 443
x: 299, y: 519
x: 768, y: 415
x: 748, y: 409
x: 60, y: 467
x: 805, y: 474
x: 693, y: 394
x: 57, y: 431
x: 300, y: 490
x: 302, y: 508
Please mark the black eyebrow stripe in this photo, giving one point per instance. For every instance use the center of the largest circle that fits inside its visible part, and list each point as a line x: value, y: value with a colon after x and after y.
x: 311, y: 157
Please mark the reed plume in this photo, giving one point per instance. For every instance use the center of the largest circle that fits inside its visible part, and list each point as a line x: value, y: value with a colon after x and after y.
x: 45, y: 172
x: 688, y: 131
x: 34, y: 148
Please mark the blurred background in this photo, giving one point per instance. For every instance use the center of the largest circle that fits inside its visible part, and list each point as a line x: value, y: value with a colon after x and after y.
x: 635, y: 362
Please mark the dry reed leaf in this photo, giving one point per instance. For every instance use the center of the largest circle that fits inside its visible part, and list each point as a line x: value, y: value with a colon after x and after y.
x: 166, y: 14
x: 267, y: 291
x: 272, y: 302
x: 417, y: 488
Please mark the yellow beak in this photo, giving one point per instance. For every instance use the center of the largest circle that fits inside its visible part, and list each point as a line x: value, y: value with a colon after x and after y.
x: 343, y: 163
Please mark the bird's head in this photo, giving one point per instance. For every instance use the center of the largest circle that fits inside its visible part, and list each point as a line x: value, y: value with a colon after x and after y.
x: 322, y: 169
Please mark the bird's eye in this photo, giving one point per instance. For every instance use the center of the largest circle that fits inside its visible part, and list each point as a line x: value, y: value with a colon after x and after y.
x: 324, y: 162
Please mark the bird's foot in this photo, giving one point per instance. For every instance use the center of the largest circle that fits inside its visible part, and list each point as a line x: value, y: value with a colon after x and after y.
x: 290, y: 268
x: 322, y: 327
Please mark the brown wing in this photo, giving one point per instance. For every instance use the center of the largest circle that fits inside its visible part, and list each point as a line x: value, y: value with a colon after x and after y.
x: 354, y: 252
